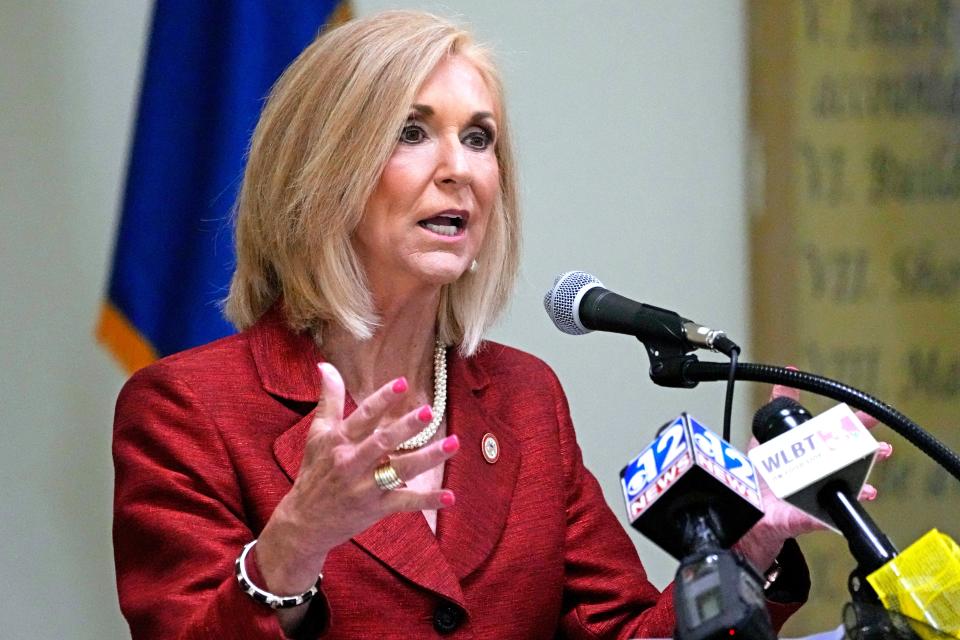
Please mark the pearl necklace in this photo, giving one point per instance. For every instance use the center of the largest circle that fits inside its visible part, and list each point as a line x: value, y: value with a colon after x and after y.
x: 439, y: 399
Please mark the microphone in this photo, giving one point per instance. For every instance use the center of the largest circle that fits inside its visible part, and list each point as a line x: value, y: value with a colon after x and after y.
x: 689, y: 467
x: 578, y: 303
x: 694, y: 495
x: 819, y: 465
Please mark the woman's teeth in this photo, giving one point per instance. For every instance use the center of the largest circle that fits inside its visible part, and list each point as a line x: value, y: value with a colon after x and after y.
x: 442, y: 229
x: 443, y: 225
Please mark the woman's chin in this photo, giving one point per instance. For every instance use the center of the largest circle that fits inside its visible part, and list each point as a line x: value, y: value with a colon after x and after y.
x: 440, y: 278
x: 425, y: 275
x: 442, y: 272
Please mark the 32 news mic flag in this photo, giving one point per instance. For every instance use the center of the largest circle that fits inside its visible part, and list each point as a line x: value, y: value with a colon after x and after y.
x: 209, y: 65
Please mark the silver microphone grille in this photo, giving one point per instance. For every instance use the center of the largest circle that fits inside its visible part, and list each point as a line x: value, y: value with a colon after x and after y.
x: 562, y: 302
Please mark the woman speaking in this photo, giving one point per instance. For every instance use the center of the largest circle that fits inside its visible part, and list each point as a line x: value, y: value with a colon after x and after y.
x: 358, y: 462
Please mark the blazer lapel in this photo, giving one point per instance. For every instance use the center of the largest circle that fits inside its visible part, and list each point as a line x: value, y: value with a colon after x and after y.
x: 469, y: 530
x: 402, y: 541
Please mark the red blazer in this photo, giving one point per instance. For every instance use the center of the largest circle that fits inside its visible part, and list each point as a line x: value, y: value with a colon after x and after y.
x: 207, y: 442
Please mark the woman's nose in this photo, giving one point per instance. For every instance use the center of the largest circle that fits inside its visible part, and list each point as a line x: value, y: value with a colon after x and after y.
x: 453, y: 166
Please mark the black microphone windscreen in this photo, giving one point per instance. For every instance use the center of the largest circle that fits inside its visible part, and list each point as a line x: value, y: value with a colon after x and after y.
x: 777, y: 417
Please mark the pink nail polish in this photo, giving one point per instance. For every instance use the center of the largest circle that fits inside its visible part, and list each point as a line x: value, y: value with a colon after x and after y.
x: 425, y: 414
x: 399, y: 385
x: 447, y: 499
x: 450, y: 444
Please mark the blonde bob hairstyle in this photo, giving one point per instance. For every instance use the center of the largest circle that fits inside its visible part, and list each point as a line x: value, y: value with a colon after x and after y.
x: 327, y: 130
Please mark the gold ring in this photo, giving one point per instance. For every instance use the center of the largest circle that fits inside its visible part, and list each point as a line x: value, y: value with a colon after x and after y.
x: 386, y: 477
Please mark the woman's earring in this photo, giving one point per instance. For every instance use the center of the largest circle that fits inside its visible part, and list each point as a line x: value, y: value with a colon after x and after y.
x: 474, y: 266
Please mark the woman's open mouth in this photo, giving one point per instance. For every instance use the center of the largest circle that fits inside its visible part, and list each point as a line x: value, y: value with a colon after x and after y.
x: 447, y: 223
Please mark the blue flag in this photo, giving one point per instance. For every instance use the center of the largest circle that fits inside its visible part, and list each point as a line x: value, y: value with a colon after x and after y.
x: 209, y: 67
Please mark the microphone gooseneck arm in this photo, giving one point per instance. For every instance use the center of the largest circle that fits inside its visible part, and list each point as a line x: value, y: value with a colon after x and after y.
x: 686, y: 371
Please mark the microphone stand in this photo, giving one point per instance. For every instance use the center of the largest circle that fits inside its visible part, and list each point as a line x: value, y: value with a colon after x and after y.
x: 671, y: 367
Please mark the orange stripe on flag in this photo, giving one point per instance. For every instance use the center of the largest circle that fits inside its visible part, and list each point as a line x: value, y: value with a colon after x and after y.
x: 122, y: 339
x: 341, y: 14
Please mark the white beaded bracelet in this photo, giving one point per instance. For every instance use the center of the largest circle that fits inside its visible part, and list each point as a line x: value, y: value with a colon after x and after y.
x: 265, y: 597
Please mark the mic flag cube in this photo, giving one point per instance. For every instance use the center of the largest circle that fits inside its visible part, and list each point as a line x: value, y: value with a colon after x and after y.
x: 832, y: 447
x: 689, y: 467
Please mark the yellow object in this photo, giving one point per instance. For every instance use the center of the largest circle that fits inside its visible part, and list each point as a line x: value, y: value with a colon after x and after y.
x: 923, y: 583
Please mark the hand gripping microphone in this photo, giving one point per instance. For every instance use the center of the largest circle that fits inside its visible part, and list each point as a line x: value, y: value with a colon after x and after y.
x: 819, y: 465
x: 694, y: 495
x: 579, y: 304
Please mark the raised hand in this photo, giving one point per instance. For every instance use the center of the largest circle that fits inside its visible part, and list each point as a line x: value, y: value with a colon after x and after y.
x: 335, y: 495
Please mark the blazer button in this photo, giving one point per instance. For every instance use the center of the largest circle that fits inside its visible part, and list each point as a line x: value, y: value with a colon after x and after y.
x: 447, y: 617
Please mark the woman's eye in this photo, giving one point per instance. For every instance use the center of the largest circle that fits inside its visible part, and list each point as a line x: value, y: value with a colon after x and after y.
x: 412, y: 134
x: 478, y: 138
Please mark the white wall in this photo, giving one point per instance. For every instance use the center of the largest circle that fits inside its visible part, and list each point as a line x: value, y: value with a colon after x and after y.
x: 68, y: 73
x: 630, y: 124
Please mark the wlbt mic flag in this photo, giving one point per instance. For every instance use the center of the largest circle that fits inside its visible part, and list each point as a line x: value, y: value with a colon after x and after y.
x: 208, y: 68
x: 834, y: 447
